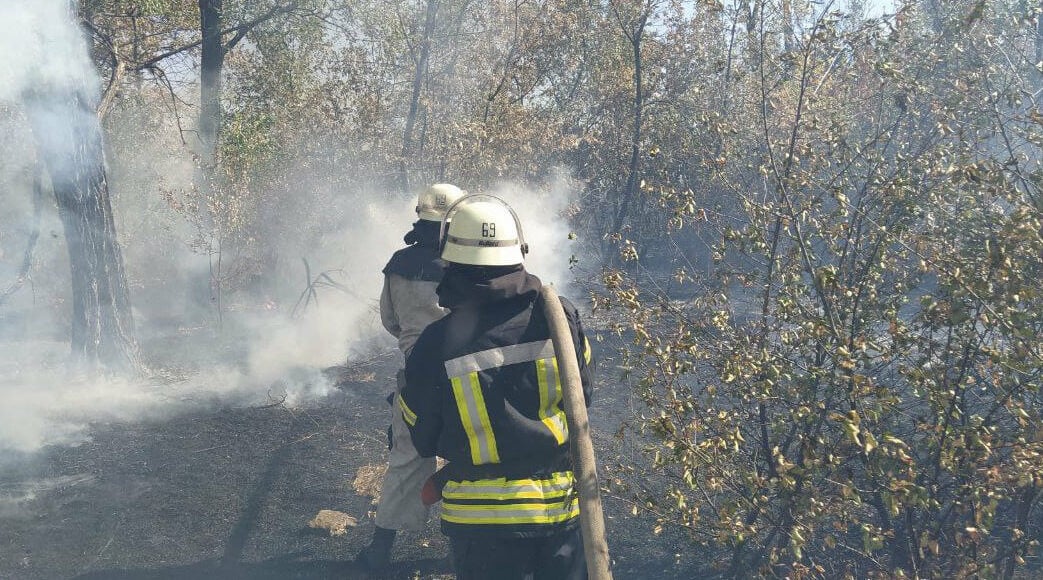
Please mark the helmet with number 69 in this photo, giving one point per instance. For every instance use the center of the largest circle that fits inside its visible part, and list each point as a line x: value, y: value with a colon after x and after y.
x: 433, y: 202
x: 482, y: 230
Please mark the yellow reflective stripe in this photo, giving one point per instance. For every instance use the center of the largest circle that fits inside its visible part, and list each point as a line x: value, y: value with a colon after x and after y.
x: 407, y: 413
x: 559, y: 412
x: 558, y: 484
x: 586, y: 351
x: 510, y: 514
x: 465, y: 419
x: 529, y: 494
x: 554, y: 479
x: 483, y: 415
x: 507, y: 520
x: 554, y: 500
x: 550, y: 396
x: 470, y: 404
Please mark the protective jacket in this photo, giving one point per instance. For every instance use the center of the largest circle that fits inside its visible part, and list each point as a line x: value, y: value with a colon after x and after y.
x: 407, y: 305
x: 483, y: 391
x: 408, y: 302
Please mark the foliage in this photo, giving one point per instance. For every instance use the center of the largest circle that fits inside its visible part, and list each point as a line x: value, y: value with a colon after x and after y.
x: 829, y: 239
x: 853, y: 390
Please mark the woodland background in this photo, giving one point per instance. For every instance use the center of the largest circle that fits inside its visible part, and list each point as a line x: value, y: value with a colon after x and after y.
x: 813, y: 230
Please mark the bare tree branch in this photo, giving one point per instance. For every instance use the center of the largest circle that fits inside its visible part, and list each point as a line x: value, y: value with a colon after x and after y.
x: 240, y: 31
x: 243, y: 29
x: 119, y: 68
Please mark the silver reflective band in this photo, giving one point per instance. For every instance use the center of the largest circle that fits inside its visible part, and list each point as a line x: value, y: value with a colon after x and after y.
x: 482, y: 243
x: 475, y: 419
x: 499, y: 357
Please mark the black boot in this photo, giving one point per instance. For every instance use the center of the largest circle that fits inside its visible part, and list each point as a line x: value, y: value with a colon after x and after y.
x: 377, y: 555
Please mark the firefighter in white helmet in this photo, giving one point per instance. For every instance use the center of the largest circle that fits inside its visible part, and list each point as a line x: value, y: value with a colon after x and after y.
x: 482, y: 390
x: 408, y: 303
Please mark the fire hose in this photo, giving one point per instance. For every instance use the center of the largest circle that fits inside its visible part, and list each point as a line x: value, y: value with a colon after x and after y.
x: 591, y: 515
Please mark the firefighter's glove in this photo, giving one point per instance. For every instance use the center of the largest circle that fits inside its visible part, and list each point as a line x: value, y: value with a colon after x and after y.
x: 431, y: 493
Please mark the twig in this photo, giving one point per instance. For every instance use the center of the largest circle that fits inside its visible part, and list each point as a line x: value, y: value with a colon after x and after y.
x: 212, y: 448
x: 240, y: 31
x: 303, y: 439
x: 105, y: 548
x: 243, y: 29
x: 276, y: 403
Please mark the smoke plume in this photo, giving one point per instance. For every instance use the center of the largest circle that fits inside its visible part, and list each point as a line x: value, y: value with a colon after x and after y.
x: 269, y: 346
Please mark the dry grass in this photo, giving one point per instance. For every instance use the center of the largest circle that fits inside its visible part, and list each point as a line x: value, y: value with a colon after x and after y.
x: 336, y: 523
x: 368, y: 480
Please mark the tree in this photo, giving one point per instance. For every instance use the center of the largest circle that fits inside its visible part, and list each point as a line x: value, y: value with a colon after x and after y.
x: 67, y: 133
x: 213, y: 49
x: 69, y: 142
x: 421, y: 58
x: 633, y: 27
x: 853, y: 390
x: 211, y: 63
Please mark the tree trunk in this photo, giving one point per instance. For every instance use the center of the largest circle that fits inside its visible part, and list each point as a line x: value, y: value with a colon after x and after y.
x: 788, y: 42
x: 754, y: 12
x: 69, y: 143
x: 1039, y: 33
x: 414, y: 101
x: 631, y: 189
x: 212, y: 60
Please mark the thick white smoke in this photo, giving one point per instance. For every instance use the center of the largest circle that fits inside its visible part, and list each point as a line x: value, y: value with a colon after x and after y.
x: 545, y: 228
x: 280, y: 357
x: 263, y: 352
x: 43, y: 405
x: 41, y: 46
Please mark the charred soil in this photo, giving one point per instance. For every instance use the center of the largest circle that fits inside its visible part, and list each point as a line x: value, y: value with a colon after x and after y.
x: 229, y: 494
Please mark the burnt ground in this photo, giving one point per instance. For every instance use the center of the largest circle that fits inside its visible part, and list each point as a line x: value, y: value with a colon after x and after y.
x: 228, y: 494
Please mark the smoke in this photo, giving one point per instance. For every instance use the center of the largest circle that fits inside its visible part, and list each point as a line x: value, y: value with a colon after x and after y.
x: 264, y: 355
x: 43, y: 51
x: 42, y: 46
x: 275, y: 356
x: 270, y: 345
x: 14, y: 495
x: 47, y: 68
x: 542, y: 213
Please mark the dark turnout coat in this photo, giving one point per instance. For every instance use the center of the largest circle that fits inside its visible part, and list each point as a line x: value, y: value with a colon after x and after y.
x: 483, y: 391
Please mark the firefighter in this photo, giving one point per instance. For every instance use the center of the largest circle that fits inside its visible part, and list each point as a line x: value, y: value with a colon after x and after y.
x: 483, y: 392
x: 407, y: 304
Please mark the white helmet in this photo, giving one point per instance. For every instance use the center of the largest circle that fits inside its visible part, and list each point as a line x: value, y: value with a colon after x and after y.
x: 433, y: 202
x: 482, y: 230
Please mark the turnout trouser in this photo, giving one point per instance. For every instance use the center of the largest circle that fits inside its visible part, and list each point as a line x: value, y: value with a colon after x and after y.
x: 558, y: 557
x: 400, y: 507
